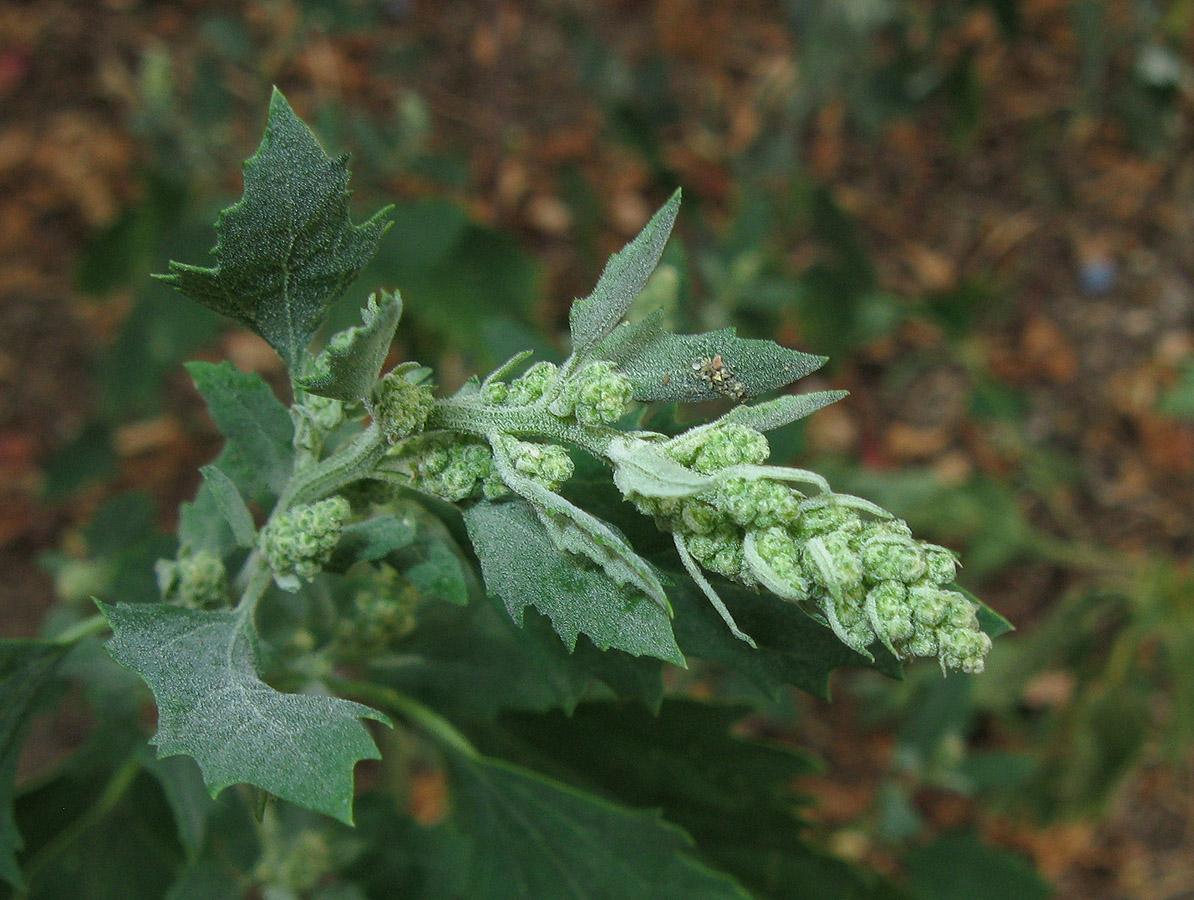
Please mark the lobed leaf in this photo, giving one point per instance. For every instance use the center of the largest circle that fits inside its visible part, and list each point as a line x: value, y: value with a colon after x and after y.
x: 523, y: 566
x: 288, y: 249
x: 535, y: 839
x: 213, y: 706
x: 594, y: 317
x: 347, y: 368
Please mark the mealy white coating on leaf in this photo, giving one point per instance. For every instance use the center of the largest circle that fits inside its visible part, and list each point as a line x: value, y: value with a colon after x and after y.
x: 577, y: 531
x: 213, y: 706
x: 350, y: 363
x: 776, y: 413
x: 594, y: 317
x: 641, y: 467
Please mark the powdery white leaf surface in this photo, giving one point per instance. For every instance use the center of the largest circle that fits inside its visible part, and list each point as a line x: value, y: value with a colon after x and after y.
x: 686, y: 368
x: 212, y: 706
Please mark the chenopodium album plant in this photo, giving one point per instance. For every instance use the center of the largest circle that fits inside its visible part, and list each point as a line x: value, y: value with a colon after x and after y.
x: 370, y: 484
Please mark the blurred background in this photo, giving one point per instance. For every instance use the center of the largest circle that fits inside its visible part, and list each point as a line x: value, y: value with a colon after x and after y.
x: 982, y: 211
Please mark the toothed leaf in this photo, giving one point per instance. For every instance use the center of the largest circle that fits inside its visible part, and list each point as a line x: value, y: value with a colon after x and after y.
x: 686, y: 368
x: 348, y: 366
x: 625, y: 275
x: 213, y: 706
x: 288, y: 249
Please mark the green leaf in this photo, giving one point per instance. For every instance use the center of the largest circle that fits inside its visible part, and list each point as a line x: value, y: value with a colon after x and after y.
x: 523, y: 566
x: 684, y: 368
x: 288, y: 249
x: 792, y: 648
x: 959, y: 865
x: 202, y: 669
x: 371, y: 540
x: 473, y: 662
x: 782, y: 410
x: 733, y: 795
x: 26, y: 670
x: 259, y: 454
x: 594, y: 317
x: 535, y: 839
x: 348, y: 366
x: 203, y: 526
x: 230, y: 503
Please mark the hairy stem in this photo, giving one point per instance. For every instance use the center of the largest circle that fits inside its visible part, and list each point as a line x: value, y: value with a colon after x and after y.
x: 527, y: 421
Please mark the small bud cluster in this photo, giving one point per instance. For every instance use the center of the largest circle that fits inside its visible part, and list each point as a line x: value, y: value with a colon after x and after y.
x: 199, y: 580
x: 548, y: 464
x: 300, y: 541
x: 597, y: 396
x: 867, y: 579
x: 452, y: 467
x: 383, y: 611
x: 399, y: 407
x: 527, y: 388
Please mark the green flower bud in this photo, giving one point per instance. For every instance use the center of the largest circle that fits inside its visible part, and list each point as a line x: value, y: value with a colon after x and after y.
x: 548, y: 464
x: 383, y: 611
x: 720, y: 551
x: 301, y: 540
x: 495, y: 393
x: 199, y: 580
x: 922, y: 643
x: 941, y: 567
x: 720, y: 447
x: 837, y: 567
x: 888, y: 611
x: 325, y: 412
x: 532, y: 384
x: 964, y: 649
x: 893, y: 558
x: 601, y: 394
x: 758, y: 503
x: 698, y: 517
x: 930, y: 605
x: 823, y: 518
x: 399, y: 407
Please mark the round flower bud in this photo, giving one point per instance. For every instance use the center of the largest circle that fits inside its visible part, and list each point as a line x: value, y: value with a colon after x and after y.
x: 960, y: 613
x: 822, y: 518
x: 399, y: 407
x: 930, y: 605
x: 728, y: 445
x: 841, y: 570
x: 601, y: 394
x: 495, y: 393
x: 199, y: 580
x: 963, y: 649
x: 300, y: 541
x: 781, y: 554
x: 698, y: 517
x: 892, y: 558
x: 888, y: 611
x: 885, y: 528
x: 531, y: 384
x: 941, y: 567
x: 548, y: 464
x: 719, y: 551
x: 922, y: 643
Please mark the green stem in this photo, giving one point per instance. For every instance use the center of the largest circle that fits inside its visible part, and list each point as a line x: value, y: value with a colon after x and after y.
x: 427, y: 719
x: 338, y: 470
x: 85, y: 628
x: 482, y: 421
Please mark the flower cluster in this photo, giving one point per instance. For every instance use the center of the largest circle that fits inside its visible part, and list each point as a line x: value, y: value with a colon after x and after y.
x: 451, y: 467
x: 383, y: 610
x: 198, y: 579
x: 399, y: 407
x: 597, y: 396
x: 527, y: 388
x: 297, y: 543
x: 844, y: 560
